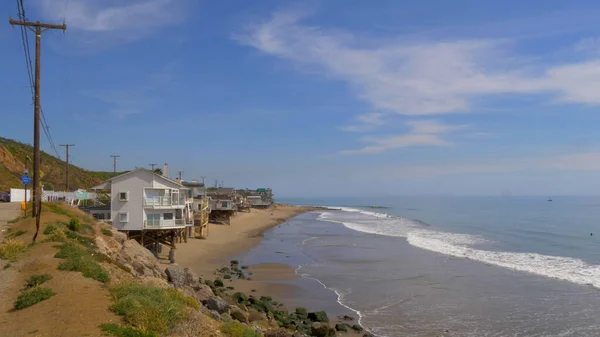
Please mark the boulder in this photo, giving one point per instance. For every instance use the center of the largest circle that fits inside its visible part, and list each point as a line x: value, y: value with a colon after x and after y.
x: 341, y: 327
x: 357, y: 328
x: 181, y: 277
x: 321, y: 330
x: 254, y: 316
x: 226, y: 318
x: 238, y: 314
x: 217, y: 304
x: 318, y: 316
x: 215, y: 314
x: 279, y: 333
x: 346, y: 318
x: 118, y: 236
x: 144, y: 263
x: 368, y: 334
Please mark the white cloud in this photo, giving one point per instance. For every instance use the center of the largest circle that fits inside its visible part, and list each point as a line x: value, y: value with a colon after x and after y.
x: 365, y: 122
x: 396, y: 142
x: 425, y: 132
x: 586, y: 161
x: 95, y: 21
x: 422, y: 78
x: 432, y: 126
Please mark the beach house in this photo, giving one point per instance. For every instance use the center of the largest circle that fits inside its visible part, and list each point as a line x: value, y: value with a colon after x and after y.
x: 151, y: 208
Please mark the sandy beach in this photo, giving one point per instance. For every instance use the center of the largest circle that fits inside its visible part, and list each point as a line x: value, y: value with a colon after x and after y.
x: 224, y: 242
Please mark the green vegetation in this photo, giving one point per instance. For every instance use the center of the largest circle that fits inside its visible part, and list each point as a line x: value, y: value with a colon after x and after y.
x: 150, y: 309
x: 81, y: 260
x: 106, y: 232
x: 237, y: 329
x: 121, y: 331
x: 218, y: 283
x: 36, y: 280
x: 11, y: 248
x: 74, y: 225
x: 15, y: 158
x: 12, y: 235
x: 33, y: 296
x: 6, y: 266
x: 49, y: 229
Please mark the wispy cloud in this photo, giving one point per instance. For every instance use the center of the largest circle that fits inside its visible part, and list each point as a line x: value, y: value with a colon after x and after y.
x: 366, y: 122
x: 114, y: 21
x: 585, y: 161
x: 423, y: 77
x: 425, y: 132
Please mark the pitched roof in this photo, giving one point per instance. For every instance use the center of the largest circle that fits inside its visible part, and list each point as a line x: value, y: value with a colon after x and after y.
x: 151, y: 172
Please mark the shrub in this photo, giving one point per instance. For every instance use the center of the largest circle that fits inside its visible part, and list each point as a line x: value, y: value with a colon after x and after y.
x: 209, y: 283
x: 36, y: 280
x: 74, y: 225
x: 237, y: 329
x: 218, y: 283
x: 227, y: 277
x: 151, y: 309
x: 234, y: 262
x: 121, y: 331
x: 301, y: 313
x: 341, y: 327
x: 49, y: 229
x: 6, y: 266
x: 106, y: 232
x: 266, y: 298
x: 10, y: 248
x: 33, y: 296
x: 240, y: 297
x: 78, y: 259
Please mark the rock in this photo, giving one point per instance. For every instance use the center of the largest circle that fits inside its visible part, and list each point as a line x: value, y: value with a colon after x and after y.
x: 357, y: 328
x: 217, y: 304
x: 118, y: 236
x: 238, y: 314
x: 341, y: 327
x: 226, y: 318
x: 215, y: 314
x: 321, y: 330
x: 368, y: 334
x: 346, y: 318
x: 144, y: 263
x: 181, y: 277
x: 318, y: 316
x: 279, y: 333
x: 254, y: 316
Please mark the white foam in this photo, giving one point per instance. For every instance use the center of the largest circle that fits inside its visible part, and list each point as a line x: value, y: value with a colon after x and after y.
x: 461, y: 245
x: 340, y: 298
x: 563, y: 268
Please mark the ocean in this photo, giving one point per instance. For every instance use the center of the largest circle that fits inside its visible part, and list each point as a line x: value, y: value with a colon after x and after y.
x: 448, y: 266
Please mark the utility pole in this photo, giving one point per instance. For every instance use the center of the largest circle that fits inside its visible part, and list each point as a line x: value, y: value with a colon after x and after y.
x: 221, y: 183
x: 153, y: 166
x: 114, y: 156
x: 67, y: 146
x: 37, y: 192
x: 180, y: 173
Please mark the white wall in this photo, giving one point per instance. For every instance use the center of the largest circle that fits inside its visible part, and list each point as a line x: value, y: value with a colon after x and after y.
x: 18, y: 195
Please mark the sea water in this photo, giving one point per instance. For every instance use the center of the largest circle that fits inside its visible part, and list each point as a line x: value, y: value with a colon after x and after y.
x: 450, y: 266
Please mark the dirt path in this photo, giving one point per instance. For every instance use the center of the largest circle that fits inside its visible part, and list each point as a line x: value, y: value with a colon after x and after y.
x: 8, y: 212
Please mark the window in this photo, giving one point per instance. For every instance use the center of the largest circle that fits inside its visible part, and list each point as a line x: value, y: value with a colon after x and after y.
x: 123, y: 196
x: 168, y: 216
x: 153, y: 219
x: 124, y: 217
x: 224, y: 204
x: 99, y: 216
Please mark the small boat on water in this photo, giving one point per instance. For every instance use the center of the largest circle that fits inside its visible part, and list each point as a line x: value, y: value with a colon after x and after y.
x: 549, y: 200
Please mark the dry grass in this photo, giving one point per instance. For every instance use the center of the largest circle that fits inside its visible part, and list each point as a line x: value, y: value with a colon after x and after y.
x: 11, y: 248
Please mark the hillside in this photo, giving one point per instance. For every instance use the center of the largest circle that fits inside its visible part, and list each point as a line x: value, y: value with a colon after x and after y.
x: 13, y: 158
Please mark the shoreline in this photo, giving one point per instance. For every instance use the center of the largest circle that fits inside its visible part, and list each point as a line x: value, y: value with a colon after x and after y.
x: 225, y: 243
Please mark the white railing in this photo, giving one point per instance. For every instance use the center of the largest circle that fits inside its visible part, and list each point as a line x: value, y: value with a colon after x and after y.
x: 160, y: 223
x: 162, y: 201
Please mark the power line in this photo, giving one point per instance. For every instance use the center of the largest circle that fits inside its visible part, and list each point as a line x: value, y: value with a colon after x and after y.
x: 28, y: 63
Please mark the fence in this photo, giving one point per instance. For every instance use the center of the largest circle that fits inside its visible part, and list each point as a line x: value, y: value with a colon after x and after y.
x: 18, y: 195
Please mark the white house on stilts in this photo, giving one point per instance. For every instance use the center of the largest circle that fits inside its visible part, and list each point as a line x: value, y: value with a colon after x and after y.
x: 150, y: 208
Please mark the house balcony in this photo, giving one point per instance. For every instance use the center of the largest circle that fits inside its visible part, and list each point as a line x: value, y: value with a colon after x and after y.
x: 164, y: 224
x: 164, y: 202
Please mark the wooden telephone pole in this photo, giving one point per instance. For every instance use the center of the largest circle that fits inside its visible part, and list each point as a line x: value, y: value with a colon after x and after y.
x: 67, y: 168
x: 38, y: 28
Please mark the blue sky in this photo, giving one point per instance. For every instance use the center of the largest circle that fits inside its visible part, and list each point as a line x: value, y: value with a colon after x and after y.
x: 321, y: 98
